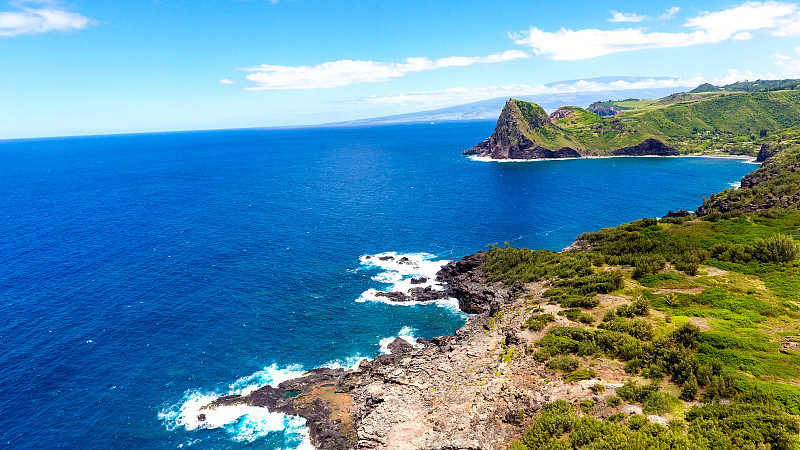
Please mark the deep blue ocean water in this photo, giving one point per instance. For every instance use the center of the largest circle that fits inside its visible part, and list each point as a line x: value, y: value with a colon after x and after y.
x: 143, y: 274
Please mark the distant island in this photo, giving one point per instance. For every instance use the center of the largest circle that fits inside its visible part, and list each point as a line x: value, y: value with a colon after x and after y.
x: 673, y: 332
x: 737, y: 119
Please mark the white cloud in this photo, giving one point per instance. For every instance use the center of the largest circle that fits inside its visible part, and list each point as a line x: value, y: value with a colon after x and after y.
x: 710, y: 27
x: 617, y: 16
x: 670, y: 13
x: 46, y: 18
x: 462, y: 95
x: 226, y: 81
x: 569, y: 45
x: 743, y: 36
x: 790, y: 68
x: 749, y: 16
x: 734, y: 75
x: 346, y: 72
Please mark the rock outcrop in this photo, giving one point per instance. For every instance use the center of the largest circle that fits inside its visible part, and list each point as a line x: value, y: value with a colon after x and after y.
x: 514, y: 136
x: 767, y: 151
x: 648, y: 147
x: 467, y: 283
x: 562, y: 113
x: 476, y: 389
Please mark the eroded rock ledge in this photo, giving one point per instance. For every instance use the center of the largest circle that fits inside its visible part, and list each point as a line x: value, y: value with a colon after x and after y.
x: 466, y: 391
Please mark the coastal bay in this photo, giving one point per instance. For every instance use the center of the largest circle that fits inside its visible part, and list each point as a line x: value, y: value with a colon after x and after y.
x: 150, y: 271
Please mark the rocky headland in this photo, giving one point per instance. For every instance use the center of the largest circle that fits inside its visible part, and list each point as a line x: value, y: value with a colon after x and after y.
x: 513, y: 137
x: 525, y: 131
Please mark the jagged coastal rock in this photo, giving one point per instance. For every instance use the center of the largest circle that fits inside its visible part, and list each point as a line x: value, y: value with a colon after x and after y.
x: 450, y: 392
x: 525, y: 131
x: 512, y: 137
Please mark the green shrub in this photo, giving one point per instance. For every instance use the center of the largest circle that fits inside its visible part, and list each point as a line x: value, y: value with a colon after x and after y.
x: 638, y: 328
x: 613, y: 401
x: 554, y: 420
x: 686, y: 335
x: 653, y: 372
x: 689, y: 262
x: 647, y: 264
x: 580, y: 374
x: 778, y: 248
x: 676, y: 424
x: 633, y: 366
x: 639, y: 307
x: 636, y: 421
x: 587, y: 405
x: 657, y: 402
x: 721, y: 387
x: 704, y: 374
x: 538, y: 322
x: 577, y: 315
x: 563, y: 364
x: 616, y: 417
x: 689, y: 389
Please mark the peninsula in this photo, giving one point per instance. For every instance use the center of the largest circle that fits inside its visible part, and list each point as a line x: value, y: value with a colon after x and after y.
x: 735, y: 119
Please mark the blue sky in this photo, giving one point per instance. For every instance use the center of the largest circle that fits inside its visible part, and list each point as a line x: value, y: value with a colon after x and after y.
x: 94, y: 67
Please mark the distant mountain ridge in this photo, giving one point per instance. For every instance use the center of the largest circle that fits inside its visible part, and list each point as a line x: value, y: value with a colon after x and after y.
x: 490, y: 109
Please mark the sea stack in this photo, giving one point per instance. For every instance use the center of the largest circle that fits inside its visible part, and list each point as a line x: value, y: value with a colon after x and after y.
x: 515, y: 136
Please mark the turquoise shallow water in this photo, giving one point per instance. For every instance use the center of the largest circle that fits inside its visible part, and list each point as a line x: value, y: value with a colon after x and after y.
x: 145, y: 273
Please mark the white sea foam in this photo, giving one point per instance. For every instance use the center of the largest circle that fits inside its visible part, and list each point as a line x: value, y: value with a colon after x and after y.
x: 350, y: 363
x: 490, y: 159
x: 735, y: 185
x: 406, y: 334
x: 243, y: 422
x: 403, y: 272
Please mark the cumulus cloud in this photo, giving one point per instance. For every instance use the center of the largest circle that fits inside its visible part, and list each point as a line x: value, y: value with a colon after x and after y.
x: 781, y: 19
x: 617, y: 16
x: 670, y: 13
x: 465, y: 95
x: 44, y: 18
x: 226, y: 81
x: 347, y: 72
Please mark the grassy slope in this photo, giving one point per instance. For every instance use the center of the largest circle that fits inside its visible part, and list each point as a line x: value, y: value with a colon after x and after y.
x: 776, y: 185
x: 705, y: 307
x: 730, y: 122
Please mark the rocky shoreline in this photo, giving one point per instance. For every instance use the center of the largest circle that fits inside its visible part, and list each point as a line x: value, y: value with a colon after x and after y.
x: 466, y: 391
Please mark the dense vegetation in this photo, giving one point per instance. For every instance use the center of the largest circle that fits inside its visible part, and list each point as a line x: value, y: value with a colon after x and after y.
x: 775, y: 186
x: 702, y: 314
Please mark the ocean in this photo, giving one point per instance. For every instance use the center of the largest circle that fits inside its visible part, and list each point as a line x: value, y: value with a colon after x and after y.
x: 145, y: 274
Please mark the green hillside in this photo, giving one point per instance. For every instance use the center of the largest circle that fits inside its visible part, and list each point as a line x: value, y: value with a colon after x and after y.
x: 702, y: 314
x: 707, y: 122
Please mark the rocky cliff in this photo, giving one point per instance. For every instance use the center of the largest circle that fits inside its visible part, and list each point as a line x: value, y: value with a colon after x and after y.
x: 472, y: 390
x: 514, y: 136
x: 648, y: 147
